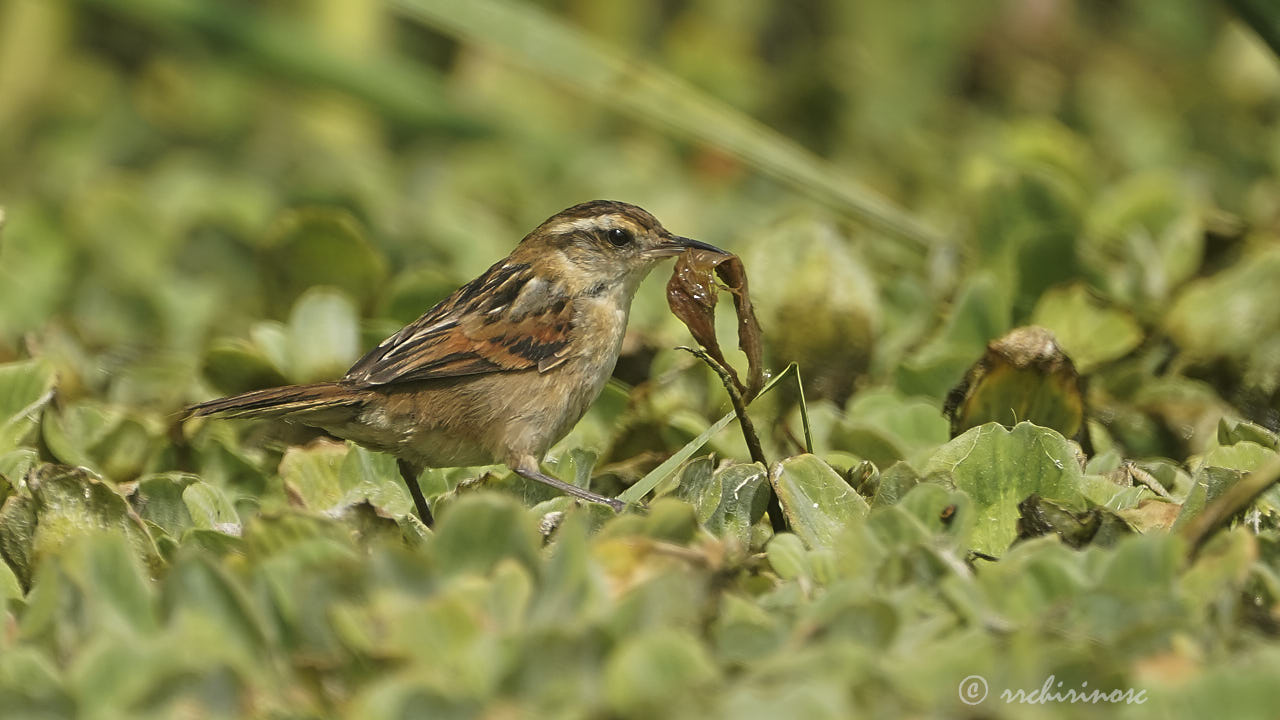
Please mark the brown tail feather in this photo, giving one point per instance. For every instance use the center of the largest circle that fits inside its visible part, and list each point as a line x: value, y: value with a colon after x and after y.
x: 275, y: 402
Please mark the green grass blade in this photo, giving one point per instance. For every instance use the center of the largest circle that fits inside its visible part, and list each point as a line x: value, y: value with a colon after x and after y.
x: 541, y: 42
x: 804, y: 413
x: 658, y: 474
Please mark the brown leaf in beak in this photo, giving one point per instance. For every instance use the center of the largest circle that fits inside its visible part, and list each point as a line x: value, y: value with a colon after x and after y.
x: 692, y: 293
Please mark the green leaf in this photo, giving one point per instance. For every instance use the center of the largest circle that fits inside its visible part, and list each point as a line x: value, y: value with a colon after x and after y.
x: 981, y: 312
x: 1029, y: 216
x: 159, y: 499
x: 1244, y: 456
x: 324, y: 335
x: 1226, y: 314
x: 655, y: 672
x: 235, y: 365
x: 290, y: 51
x: 375, y: 477
x: 116, y: 586
x: 569, y: 588
x: 17, y: 536
x: 1000, y: 468
x: 198, y: 590
x: 1097, y: 525
x: 1032, y: 578
x: 576, y: 466
x: 818, y: 503
x: 699, y: 485
x: 744, y: 495
x: 300, y: 536
x: 788, y: 557
x: 846, y: 612
x: 885, y: 427
x: 73, y: 432
x: 744, y: 631
x: 1090, y: 332
x: 478, y: 530
x: 311, y: 474
x: 210, y: 509
x: 1221, y: 569
x: 100, y: 437
x: 1231, y: 432
x: 1143, y: 239
x: 894, y: 483
x: 31, y: 682
x: 25, y: 388
x: 17, y: 463
x: 39, y: 267
x: 71, y: 502
x: 824, y: 280
x: 1209, y: 483
x: 660, y: 473
x: 314, y: 246
x: 942, y: 511
x: 671, y: 520
x: 271, y: 339
x: 10, y: 586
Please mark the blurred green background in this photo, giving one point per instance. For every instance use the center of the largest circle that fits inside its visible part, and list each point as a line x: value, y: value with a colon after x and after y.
x: 209, y: 196
x: 176, y: 171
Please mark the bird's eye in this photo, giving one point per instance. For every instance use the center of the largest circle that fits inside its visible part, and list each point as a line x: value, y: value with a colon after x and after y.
x: 618, y: 236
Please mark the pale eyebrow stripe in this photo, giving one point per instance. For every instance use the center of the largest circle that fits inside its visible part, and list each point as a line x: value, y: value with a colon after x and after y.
x: 591, y: 223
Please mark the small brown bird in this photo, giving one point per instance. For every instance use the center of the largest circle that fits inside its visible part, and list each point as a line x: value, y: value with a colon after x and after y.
x: 502, y: 368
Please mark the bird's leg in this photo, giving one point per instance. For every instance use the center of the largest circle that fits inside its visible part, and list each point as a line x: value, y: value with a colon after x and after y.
x: 527, y: 468
x: 410, y: 473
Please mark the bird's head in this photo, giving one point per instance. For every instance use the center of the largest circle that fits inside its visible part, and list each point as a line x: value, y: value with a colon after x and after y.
x: 603, y: 242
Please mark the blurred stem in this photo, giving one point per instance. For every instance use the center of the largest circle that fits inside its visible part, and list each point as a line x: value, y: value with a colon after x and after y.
x: 354, y: 26
x: 32, y: 35
x: 1263, y: 16
x: 403, y: 91
x: 539, y: 41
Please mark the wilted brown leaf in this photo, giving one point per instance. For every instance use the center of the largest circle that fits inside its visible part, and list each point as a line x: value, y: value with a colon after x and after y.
x: 692, y: 294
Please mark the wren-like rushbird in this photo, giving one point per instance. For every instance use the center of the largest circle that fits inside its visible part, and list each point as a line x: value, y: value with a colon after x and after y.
x: 502, y: 368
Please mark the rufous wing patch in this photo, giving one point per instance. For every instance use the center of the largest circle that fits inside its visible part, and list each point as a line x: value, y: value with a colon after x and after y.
x: 481, y: 328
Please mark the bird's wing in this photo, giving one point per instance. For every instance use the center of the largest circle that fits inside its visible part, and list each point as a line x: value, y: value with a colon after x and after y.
x: 502, y: 321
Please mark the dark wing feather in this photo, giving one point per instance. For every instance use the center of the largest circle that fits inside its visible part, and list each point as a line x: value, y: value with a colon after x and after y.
x: 476, y: 330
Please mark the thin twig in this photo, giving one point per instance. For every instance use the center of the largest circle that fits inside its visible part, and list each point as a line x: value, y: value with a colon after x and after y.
x: 777, y: 519
x: 739, y: 407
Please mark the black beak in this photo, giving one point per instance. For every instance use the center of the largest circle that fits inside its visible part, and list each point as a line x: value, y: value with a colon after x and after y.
x: 690, y: 243
x: 672, y: 245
